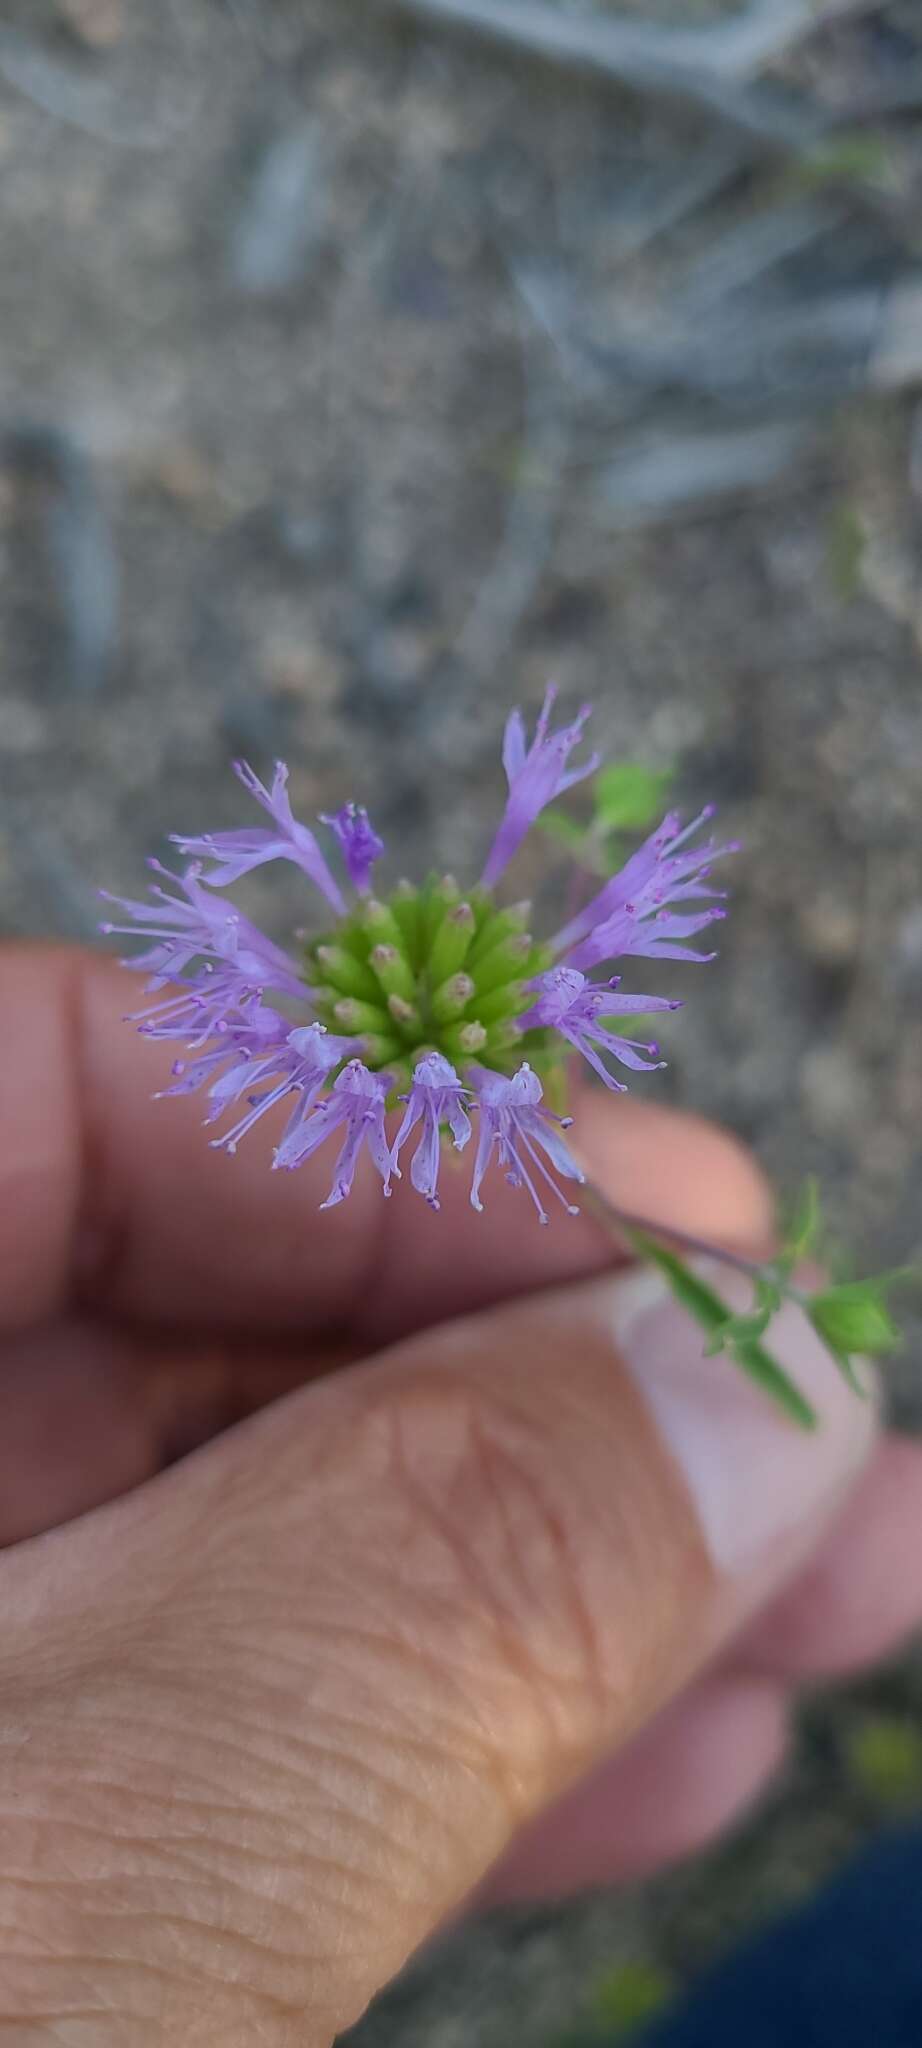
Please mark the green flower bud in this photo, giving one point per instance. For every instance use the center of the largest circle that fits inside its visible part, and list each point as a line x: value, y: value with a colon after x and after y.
x: 854, y: 1317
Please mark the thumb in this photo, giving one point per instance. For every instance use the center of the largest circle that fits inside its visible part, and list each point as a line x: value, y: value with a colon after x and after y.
x: 268, y: 1720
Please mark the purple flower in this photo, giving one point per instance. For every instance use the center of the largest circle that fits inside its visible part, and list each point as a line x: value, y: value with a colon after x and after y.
x: 358, y: 842
x: 236, y: 853
x: 254, y: 1042
x: 263, y: 1050
x: 436, y: 1097
x: 655, y: 936
x: 355, y: 1105
x: 536, y: 775
x: 512, y: 1121
x: 213, y: 999
x: 301, y: 1066
x: 656, y: 876
x: 569, y: 1004
x: 196, y: 926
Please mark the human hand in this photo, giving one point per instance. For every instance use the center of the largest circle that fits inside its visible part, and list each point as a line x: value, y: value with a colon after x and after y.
x: 511, y: 1605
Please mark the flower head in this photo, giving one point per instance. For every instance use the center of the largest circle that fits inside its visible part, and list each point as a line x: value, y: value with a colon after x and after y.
x: 536, y: 775
x: 437, y: 1097
x: 432, y: 998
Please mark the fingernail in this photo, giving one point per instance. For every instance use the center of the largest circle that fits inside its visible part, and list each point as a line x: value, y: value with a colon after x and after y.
x: 761, y: 1486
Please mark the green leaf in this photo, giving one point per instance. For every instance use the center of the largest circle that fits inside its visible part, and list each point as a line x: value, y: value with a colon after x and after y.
x: 738, y: 1329
x: 854, y: 155
x: 629, y: 796
x: 629, y: 1994
x: 854, y: 1317
x: 711, y: 1314
x: 846, y: 546
x: 565, y: 830
x: 805, y: 1223
x: 884, y: 1757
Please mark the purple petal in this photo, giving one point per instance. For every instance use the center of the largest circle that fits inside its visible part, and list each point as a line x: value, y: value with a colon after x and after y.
x: 358, y: 842
x: 355, y: 1106
x: 658, y: 874
x: 237, y: 853
x: 536, y: 775
x: 436, y: 1097
x: 514, y: 1125
x: 566, y: 1002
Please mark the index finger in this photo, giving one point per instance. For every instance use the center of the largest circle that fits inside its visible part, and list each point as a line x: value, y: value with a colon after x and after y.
x: 117, y: 1202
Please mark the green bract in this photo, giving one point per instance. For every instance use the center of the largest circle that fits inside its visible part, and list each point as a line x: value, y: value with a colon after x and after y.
x: 429, y: 970
x: 854, y: 1317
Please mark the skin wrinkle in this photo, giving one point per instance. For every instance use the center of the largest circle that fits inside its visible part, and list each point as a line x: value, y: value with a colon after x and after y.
x: 180, y: 1802
x: 176, y: 1971
x: 103, y: 1910
x: 595, y: 1685
x: 417, y: 1750
x: 174, y: 1979
x: 484, y: 1585
x: 177, y: 1850
x: 367, y: 1772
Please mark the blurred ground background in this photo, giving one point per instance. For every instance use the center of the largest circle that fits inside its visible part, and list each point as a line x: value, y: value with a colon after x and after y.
x: 363, y: 367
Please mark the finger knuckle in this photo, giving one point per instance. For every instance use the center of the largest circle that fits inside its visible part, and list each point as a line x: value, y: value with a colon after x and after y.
x: 492, y: 1556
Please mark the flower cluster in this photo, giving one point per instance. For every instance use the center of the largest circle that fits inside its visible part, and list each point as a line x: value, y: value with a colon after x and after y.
x: 432, y: 998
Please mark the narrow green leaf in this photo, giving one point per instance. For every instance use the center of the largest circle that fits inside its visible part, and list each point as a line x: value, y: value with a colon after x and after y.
x: 805, y: 1222
x: 853, y: 156
x: 770, y: 1376
x: 740, y: 1329
x: 711, y: 1314
x: 848, y: 1369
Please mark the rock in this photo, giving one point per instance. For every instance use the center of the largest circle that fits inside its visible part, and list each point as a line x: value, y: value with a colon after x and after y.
x: 830, y: 929
x: 98, y: 23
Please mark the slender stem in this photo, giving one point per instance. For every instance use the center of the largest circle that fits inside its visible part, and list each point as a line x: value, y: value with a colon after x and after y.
x: 623, y: 1219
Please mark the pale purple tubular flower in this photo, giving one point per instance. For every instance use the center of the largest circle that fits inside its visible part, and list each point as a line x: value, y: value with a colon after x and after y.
x: 513, y: 1121
x: 301, y: 1066
x: 572, y: 1006
x: 437, y: 1097
x: 236, y: 853
x: 355, y: 1106
x: 199, y: 926
x: 663, y: 872
x: 358, y: 843
x: 213, y: 999
x: 255, y: 1043
x: 261, y: 1049
x: 659, y: 935
x: 536, y: 775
